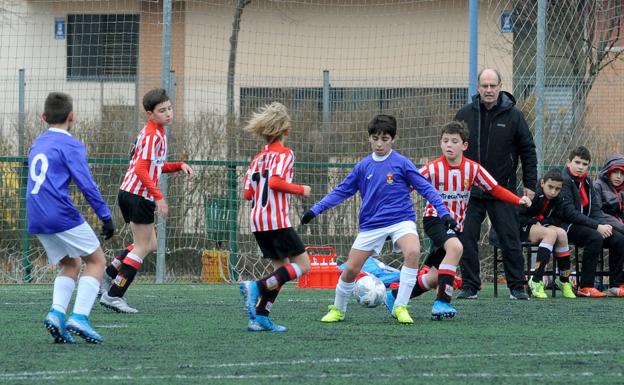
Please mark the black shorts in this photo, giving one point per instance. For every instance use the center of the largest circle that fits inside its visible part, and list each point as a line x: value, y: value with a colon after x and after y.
x: 439, y: 234
x: 135, y: 208
x: 525, y: 230
x: 279, y: 244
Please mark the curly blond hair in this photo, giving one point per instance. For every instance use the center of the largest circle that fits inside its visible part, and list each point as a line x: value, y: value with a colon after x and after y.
x: 270, y: 122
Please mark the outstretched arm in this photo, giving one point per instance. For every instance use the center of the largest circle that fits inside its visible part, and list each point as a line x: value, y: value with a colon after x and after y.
x: 347, y: 188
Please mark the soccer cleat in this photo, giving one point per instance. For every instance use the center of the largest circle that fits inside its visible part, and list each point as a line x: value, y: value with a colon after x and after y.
x: 249, y: 291
x: 264, y: 324
x: 106, y: 284
x: 519, y: 294
x: 117, y: 304
x: 65, y: 338
x: 389, y: 301
x: 616, y: 291
x: 55, y: 323
x: 566, y: 288
x: 78, y: 324
x: 537, y: 289
x: 590, y: 292
x: 402, y: 314
x: 467, y: 293
x: 333, y: 315
x: 442, y: 310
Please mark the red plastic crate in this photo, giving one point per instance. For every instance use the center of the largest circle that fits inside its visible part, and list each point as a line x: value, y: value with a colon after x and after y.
x: 324, y: 272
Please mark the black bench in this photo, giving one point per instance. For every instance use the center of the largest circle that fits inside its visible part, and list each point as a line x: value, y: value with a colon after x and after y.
x: 530, y: 248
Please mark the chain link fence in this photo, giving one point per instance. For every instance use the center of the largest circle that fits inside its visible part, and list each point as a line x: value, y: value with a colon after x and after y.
x: 334, y: 63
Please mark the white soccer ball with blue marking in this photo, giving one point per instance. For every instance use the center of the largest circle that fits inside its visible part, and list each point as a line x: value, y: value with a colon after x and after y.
x: 369, y: 291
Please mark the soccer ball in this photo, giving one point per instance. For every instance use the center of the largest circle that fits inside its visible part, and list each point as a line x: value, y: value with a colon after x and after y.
x: 369, y: 291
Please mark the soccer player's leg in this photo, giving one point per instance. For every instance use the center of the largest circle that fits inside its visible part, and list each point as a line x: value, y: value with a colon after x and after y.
x: 410, y: 246
x: 562, y: 256
x: 546, y: 237
x: 88, y: 288
x: 426, y: 279
x: 346, y: 282
x: 279, y: 246
x: 144, y: 237
x: 442, y: 307
x: 64, y: 285
x: 113, y: 269
x: 285, y: 271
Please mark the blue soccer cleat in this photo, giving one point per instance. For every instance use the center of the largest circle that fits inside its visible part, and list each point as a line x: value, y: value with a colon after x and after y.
x: 55, y: 323
x: 389, y: 301
x: 265, y: 324
x: 78, y: 324
x: 249, y: 291
x: 442, y: 310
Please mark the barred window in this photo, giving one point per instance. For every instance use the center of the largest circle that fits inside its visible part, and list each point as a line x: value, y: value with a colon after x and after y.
x: 102, y: 47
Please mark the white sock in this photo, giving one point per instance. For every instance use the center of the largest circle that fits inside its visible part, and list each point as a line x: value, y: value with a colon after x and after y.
x: 88, y: 288
x: 406, y: 285
x: 63, y: 290
x: 343, y: 293
x: 297, y: 269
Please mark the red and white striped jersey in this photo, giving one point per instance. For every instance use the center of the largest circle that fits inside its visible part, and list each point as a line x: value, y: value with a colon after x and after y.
x: 150, y: 144
x: 269, y: 208
x: 454, y: 183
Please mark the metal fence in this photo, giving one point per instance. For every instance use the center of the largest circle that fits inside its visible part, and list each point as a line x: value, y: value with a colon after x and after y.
x: 333, y: 63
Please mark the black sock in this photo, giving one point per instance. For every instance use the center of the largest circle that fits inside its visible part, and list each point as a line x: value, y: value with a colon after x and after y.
x: 445, y: 287
x: 564, y: 264
x: 113, y: 269
x: 543, y: 256
x: 266, y: 302
x: 123, y: 280
x: 279, y: 277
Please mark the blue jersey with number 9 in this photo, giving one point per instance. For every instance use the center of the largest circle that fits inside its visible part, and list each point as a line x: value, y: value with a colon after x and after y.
x: 54, y: 160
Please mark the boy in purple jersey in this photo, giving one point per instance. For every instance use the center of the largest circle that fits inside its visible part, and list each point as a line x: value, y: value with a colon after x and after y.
x: 383, y: 179
x: 54, y: 160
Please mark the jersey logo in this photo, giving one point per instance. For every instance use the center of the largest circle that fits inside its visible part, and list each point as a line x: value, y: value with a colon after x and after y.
x: 369, y: 176
x: 389, y: 178
x: 466, y: 183
x: 500, y: 125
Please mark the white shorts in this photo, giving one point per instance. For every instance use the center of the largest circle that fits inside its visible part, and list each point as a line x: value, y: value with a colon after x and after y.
x: 373, y: 240
x: 77, y: 242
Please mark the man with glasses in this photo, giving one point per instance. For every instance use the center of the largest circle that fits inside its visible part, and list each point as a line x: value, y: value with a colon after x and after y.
x: 499, y: 138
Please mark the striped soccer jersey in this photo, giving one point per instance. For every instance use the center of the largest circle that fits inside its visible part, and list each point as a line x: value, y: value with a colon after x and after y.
x: 454, y: 183
x: 150, y: 144
x: 269, y: 210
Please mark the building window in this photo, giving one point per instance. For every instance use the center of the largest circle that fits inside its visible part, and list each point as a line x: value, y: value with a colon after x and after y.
x: 102, y: 47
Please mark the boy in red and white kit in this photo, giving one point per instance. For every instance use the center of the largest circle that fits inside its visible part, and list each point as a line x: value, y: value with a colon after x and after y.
x: 452, y: 175
x: 268, y: 185
x: 139, y: 196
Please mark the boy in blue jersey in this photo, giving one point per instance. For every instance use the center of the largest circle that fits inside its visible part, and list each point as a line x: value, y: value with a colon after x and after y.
x: 54, y: 160
x: 384, y: 180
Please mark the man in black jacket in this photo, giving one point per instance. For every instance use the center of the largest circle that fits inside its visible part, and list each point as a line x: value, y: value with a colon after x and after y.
x: 586, y: 224
x: 499, y: 139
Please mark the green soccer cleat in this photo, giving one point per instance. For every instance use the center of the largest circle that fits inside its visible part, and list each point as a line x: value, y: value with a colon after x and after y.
x: 537, y: 289
x: 333, y: 315
x: 402, y: 315
x: 566, y: 288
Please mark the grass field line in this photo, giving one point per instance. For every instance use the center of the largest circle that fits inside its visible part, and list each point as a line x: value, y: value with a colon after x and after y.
x: 52, y: 374
x: 285, y: 376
